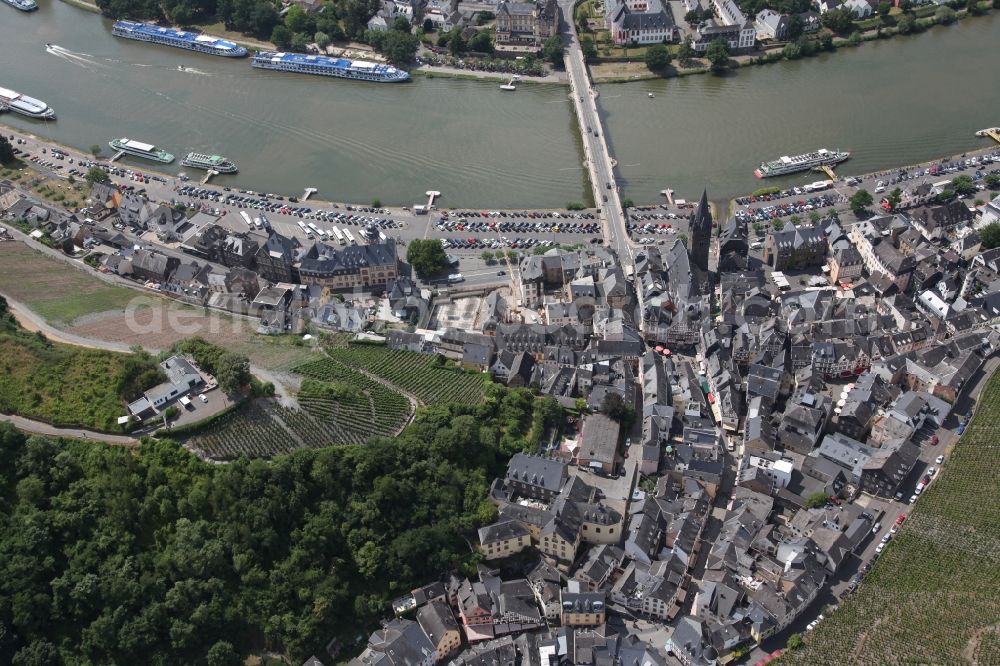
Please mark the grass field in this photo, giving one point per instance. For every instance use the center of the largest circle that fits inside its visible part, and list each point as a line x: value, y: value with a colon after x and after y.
x: 934, y: 595
x: 57, y: 292
x: 68, y: 386
x: 423, y: 375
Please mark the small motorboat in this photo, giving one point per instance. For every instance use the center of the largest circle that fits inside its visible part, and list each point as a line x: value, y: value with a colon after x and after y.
x: 650, y: 95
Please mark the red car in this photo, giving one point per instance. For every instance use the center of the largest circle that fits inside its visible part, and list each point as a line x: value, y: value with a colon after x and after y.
x: 934, y: 440
x: 901, y: 519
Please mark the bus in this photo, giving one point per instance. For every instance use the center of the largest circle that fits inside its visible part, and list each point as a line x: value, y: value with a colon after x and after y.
x: 246, y: 218
x: 304, y: 228
x: 338, y: 235
x: 314, y: 229
x: 350, y: 237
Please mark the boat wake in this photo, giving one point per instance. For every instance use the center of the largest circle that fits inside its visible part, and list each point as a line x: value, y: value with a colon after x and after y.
x: 192, y: 70
x: 81, y: 59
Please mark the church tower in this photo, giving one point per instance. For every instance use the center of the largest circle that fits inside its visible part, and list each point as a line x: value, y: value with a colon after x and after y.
x: 701, y: 233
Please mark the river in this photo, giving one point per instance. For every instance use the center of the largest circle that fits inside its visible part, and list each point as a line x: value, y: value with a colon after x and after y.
x: 893, y: 102
x: 476, y: 144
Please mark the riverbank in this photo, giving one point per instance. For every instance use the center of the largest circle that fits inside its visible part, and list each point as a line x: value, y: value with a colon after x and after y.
x: 635, y: 71
x: 438, y: 71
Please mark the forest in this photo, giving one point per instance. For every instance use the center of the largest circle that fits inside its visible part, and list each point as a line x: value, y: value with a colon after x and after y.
x: 117, y: 556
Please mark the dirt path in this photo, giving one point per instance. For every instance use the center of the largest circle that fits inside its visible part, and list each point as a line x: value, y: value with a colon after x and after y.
x: 40, y: 428
x: 34, y: 323
x: 415, y: 402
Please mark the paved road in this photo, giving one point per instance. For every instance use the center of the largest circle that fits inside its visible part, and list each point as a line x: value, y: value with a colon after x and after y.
x: 39, y: 428
x: 599, y: 162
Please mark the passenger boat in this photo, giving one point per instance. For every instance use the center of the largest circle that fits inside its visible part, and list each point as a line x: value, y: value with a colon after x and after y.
x: 343, y: 68
x: 23, y: 5
x: 26, y: 106
x: 209, y: 163
x: 139, y: 149
x: 785, y: 165
x: 181, y: 39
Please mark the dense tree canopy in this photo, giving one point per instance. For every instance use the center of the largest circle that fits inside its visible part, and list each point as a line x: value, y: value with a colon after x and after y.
x: 152, y: 557
x: 552, y: 50
x: 991, y: 235
x: 6, y: 151
x: 718, y: 55
x: 426, y: 256
x: 658, y: 57
x: 860, y: 201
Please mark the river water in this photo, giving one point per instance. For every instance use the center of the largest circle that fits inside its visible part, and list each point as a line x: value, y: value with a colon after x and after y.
x: 476, y: 144
x: 893, y: 102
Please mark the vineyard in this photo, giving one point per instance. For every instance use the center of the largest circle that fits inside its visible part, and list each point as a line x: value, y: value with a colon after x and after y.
x: 424, y: 375
x: 339, y: 406
x: 933, y: 596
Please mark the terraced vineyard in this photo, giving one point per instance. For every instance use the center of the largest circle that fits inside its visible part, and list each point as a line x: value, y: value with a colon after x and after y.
x: 250, y: 431
x: 419, y: 374
x: 933, y: 597
x: 339, y: 406
x: 351, y: 400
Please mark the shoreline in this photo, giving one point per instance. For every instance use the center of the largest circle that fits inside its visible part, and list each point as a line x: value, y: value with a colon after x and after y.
x: 78, y: 153
x: 763, y: 58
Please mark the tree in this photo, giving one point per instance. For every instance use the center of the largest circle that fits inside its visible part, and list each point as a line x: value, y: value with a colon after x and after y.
x: 906, y: 24
x: 588, y: 47
x: 992, y: 181
x: 96, y: 174
x: 67, y: 246
x: 794, y: 29
x: 223, y: 654
x: 718, y: 55
x: 300, y: 42
x: 232, y: 372
x: 376, y: 203
x: 428, y: 25
x: 860, y: 201
x: 322, y: 39
x: 816, y: 500
x: 792, y: 51
x: 426, y: 256
x: 658, y: 57
x: 481, y: 42
x: 945, y: 15
x: 552, y: 50
x: 795, y: 640
x: 893, y: 198
x: 487, y: 256
x: 946, y: 195
x: 839, y: 20
x: 905, y: 5
x: 963, y: 185
x: 281, y: 37
x: 6, y: 151
x: 400, y: 47
x: 693, y: 17
x: 991, y: 235
x: 614, y: 407
x: 884, y: 8
x: 298, y: 19
x: 456, y: 43
x: 686, y: 51
x: 402, y: 24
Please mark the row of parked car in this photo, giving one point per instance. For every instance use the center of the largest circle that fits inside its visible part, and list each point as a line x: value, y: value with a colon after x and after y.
x: 472, y: 243
x: 799, y: 207
x: 515, y: 214
x: 483, y: 226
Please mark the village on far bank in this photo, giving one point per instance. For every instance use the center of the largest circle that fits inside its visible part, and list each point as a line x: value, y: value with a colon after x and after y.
x: 751, y: 410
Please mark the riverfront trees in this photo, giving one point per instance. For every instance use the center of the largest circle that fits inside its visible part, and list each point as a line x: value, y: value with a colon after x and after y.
x: 838, y: 20
x: 96, y: 174
x: 6, y: 151
x: 658, y: 57
x: 860, y: 201
x: 963, y: 185
x: 718, y: 55
x: 552, y: 50
x: 426, y: 256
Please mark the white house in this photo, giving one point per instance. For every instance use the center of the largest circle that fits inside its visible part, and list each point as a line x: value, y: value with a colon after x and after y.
x: 859, y: 8
x: 640, y: 22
